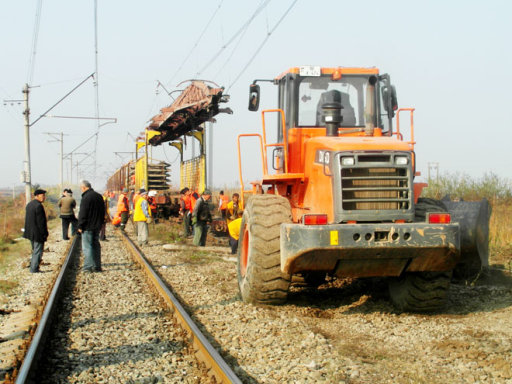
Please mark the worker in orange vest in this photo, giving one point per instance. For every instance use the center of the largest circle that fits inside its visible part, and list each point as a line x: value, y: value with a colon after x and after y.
x: 186, y: 211
x: 123, y: 208
x: 152, y: 203
x: 223, y: 204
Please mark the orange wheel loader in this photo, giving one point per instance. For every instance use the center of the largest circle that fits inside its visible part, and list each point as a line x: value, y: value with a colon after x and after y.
x: 338, y: 197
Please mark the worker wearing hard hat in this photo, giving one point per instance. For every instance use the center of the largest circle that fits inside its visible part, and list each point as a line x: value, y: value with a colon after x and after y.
x: 152, y: 203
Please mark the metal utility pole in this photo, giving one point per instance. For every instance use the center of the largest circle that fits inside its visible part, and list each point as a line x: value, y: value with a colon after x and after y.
x: 61, y: 139
x: 434, y: 166
x: 26, y: 172
x: 210, y: 154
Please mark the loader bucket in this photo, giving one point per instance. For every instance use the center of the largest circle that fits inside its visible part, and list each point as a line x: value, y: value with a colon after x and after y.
x: 473, y: 218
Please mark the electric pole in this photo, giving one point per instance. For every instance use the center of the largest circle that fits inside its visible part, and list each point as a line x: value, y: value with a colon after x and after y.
x: 433, y: 166
x: 26, y: 173
x: 60, y: 138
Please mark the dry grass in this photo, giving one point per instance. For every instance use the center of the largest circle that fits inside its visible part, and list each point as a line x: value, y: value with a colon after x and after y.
x: 498, y: 192
x: 167, y: 232
x: 12, y: 219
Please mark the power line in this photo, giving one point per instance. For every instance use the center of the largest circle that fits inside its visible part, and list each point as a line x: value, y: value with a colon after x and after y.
x: 240, y: 30
x: 262, y: 44
x: 196, y: 43
x: 35, y: 35
x: 232, y: 53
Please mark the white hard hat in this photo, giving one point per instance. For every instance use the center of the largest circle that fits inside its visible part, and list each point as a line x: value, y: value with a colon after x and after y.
x: 152, y: 193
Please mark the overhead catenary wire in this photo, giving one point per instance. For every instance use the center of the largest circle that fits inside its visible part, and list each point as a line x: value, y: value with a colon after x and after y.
x: 232, y: 52
x: 262, y: 44
x: 35, y: 36
x: 196, y: 43
x: 260, y: 8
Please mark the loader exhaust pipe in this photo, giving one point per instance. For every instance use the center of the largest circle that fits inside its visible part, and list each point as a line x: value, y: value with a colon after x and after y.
x: 332, y: 118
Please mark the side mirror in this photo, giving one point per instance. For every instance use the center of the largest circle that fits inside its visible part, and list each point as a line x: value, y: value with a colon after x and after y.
x: 390, y: 99
x: 254, y: 97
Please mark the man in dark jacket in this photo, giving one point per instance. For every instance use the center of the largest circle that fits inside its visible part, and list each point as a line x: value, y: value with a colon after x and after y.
x: 35, y: 228
x: 201, y: 217
x: 90, y: 220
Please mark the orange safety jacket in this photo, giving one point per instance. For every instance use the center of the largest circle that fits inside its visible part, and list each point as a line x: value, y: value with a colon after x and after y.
x: 122, y: 203
x: 224, y: 202
x: 188, y: 202
x: 152, y: 203
x: 192, y: 202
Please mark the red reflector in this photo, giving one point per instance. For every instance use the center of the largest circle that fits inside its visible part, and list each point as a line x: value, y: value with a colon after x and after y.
x: 314, y: 219
x: 439, y: 218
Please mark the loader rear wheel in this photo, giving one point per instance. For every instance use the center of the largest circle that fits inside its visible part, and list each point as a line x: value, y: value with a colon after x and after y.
x: 420, y: 291
x: 259, y: 261
x: 426, y: 205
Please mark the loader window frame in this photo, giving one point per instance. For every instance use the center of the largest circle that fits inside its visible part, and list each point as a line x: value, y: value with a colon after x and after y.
x: 353, y: 90
x: 286, y: 88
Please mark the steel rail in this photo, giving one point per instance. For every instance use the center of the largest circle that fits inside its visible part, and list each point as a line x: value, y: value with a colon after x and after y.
x: 33, y: 354
x: 204, y: 351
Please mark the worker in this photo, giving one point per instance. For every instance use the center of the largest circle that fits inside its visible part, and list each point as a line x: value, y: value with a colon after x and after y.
x: 223, y: 204
x: 123, y: 208
x: 201, y: 216
x: 136, y: 197
x: 233, y: 207
x: 106, y: 201
x: 193, y: 198
x: 186, y: 211
x: 152, y: 203
x: 234, y: 232
x: 142, y: 217
x: 67, y: 206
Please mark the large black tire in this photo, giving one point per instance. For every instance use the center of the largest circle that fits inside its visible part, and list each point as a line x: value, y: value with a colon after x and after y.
x: 259, y: 260
x: 426, y: 205
x: 421, y: 291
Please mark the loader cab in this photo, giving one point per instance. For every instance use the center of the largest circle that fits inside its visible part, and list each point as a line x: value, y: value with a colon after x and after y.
x: 302, y: 92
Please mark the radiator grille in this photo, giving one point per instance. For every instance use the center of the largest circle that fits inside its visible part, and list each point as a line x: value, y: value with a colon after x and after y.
x: 375, y: 188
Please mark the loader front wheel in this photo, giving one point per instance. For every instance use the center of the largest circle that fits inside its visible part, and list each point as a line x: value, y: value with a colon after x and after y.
x: 260, y: 279
x: 420, y: 291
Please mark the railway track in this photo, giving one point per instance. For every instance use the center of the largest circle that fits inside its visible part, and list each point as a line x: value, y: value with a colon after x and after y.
x: 346, y: 331
x: 107, y: 327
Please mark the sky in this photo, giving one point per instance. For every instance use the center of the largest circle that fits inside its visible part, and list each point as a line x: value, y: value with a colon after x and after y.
x: 450, y: 60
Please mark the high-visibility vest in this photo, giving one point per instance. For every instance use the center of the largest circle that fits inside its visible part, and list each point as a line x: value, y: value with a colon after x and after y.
x: 224, y: 200
x: 192, y: 202
x: 234, y: 228
x: 122, y: 203
x: 188, y: 202
x: 138, y: 213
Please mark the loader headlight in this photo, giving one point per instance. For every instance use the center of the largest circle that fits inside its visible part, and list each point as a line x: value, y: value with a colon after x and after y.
x: 401, y: 160
x: 347, y: 161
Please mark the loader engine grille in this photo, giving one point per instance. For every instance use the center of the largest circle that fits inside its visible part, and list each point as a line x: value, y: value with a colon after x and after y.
x: 376, y: 182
